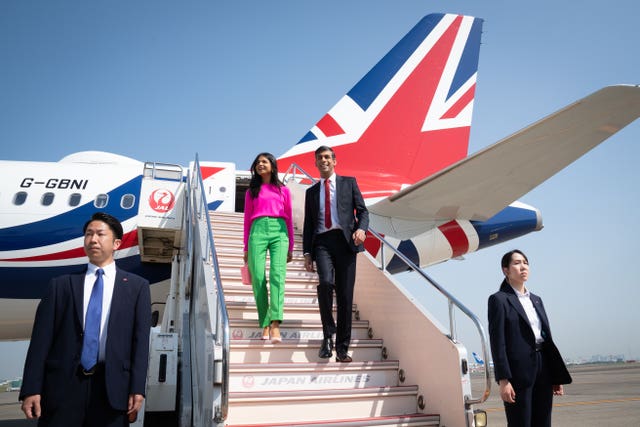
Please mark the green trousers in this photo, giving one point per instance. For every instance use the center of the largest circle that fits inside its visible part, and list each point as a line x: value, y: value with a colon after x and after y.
x: 268, y: 234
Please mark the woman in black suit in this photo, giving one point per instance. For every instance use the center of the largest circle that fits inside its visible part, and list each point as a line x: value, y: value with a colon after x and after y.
x: 527, y: 364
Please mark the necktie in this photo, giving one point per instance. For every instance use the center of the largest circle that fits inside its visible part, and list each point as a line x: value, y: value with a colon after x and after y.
x: 327, y: 205
x: 91, y: 340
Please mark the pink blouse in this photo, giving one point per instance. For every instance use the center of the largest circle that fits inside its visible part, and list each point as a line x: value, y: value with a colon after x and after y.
x: 272, y: 201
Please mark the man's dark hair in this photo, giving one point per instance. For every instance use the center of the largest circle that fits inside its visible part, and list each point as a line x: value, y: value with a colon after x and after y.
x: 324, y: 148
x: 110, y: 220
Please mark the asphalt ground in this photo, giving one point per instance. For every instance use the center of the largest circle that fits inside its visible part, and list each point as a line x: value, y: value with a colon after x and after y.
x: 600, y: 395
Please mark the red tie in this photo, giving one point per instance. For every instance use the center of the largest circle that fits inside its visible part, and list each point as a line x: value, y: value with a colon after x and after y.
x: 327, y: 205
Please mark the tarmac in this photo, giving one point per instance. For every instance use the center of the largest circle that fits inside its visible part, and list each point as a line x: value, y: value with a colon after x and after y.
x: 600, y: 395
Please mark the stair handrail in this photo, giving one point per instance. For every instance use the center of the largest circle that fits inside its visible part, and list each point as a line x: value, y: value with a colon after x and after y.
x: 222, y: 335
x: 294, y: 169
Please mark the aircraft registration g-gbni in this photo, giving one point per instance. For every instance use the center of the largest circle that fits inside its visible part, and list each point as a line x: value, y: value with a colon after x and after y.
x: 402, y: 130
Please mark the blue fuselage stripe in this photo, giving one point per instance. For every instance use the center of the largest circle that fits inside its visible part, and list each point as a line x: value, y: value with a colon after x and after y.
x: 509, y: 223
x: 68, y: 225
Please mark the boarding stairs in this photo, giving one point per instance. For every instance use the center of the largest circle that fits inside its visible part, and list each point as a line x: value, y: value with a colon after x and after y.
x: 208, y: 357
x: 287, y: 384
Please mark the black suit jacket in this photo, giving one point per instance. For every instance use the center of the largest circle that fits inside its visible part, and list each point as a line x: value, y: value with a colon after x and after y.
x: 53, y: 357
x: 352, y: 212
x: 513, y: 344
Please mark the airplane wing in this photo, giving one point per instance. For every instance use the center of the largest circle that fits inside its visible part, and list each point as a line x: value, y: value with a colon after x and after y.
x: 481, y: 185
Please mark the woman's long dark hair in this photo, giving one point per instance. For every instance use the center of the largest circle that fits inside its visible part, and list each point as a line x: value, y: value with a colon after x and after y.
x: 256, y: 179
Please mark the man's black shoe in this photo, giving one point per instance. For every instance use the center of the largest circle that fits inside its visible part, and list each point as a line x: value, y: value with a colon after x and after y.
x: 326, y: 349
x: 343, y: 357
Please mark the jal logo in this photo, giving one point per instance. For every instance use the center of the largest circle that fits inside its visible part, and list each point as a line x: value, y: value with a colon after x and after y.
x: 248, y: 381
x: 237, y: 334
x: 162, y: 200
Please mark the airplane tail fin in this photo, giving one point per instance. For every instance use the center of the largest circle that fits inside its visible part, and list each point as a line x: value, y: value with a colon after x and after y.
x: 477, y: 358
x: 409, y: 116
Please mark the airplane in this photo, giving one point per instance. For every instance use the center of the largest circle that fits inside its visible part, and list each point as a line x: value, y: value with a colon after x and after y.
x: 477, y: 358
x: 402, y: 130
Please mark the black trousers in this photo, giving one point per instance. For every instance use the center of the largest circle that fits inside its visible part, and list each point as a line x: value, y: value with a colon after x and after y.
x: 86, y: 405
x: 532, y: 407
x: 336, y: 265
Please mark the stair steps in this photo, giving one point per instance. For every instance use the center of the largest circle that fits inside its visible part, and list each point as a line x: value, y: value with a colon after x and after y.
x: 322, y: 405
x: 312, y: 376
x: 246, y: 310
x: 411, y: 420
x: 258, y: 351
x: 287, y: 384
x: 242, y: 329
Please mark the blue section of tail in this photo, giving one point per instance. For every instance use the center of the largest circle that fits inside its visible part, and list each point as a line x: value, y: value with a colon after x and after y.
x: 479, y: 361
x: 469, y: 61
x: 368, y: 88
x: 310, y: 136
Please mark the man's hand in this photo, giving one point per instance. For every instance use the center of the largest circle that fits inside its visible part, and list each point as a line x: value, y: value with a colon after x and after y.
x: 507, y: 393
x: 358, y: 236
x: 308, y: 263
x: 558, y: 390
x: 289, y: 256
x: 31, y: 406
x: 135, y: 404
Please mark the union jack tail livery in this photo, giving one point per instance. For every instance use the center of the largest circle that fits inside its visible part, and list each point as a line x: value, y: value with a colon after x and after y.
x: 403, y: 131
x: 409, y: 116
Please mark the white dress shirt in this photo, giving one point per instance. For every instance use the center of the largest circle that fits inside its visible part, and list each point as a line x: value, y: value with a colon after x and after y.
x: 532, y: 314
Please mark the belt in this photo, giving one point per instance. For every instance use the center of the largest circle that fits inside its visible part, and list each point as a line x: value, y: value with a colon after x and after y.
x: 97, y: 368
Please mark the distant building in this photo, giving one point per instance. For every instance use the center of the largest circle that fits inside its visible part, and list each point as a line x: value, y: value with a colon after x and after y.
x: 11, y: 385
x: 15, y: 384
x: 611, y: 358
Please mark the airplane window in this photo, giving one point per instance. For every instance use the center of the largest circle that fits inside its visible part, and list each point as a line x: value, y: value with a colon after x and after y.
x: 127, y: 201
x: 47, y: 199
x: 20, y: 198
x: 74, y: 199
x: 101, y: 200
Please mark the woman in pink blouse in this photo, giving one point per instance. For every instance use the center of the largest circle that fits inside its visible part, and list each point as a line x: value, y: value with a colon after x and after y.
x: 268, y: 225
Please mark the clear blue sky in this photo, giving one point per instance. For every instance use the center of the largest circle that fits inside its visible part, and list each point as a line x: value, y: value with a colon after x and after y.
x: 162, y: 80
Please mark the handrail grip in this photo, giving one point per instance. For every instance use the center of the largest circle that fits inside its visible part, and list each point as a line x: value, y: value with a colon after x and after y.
x: 452, y: 301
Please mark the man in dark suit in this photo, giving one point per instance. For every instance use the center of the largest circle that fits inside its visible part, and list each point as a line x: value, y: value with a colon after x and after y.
x: 527, y: 364
x: 76, y: 377
x: 335, y: 222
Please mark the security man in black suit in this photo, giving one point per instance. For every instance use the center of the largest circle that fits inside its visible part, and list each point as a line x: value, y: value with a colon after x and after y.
x: 335, y: 222
x: 78, y: 376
